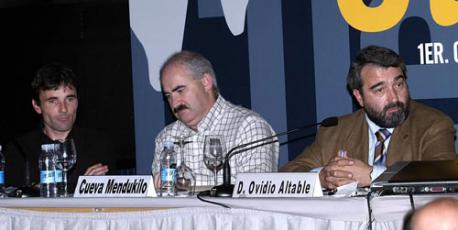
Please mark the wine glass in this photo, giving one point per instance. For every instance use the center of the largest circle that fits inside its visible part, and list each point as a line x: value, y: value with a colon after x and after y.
x: 65, y: 160
x: 214, y: 150
x: 185, y: 181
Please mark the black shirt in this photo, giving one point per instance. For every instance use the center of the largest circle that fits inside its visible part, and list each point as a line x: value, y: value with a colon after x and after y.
x: 92, y: 147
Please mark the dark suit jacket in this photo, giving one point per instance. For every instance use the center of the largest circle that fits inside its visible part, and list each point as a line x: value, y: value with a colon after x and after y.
x: 22, y: 154
x: 426, y: 134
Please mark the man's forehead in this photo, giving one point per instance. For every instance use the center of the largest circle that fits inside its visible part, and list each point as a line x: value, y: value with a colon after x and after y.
x: 173, y: 77
x: 67, y: 89
x: 371, y: 73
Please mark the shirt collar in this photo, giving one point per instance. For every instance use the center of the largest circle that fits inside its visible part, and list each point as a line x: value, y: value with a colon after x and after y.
x: 47, y: 139
x: 213, y: 115
x: 373, y: 128
x: 209, y: 119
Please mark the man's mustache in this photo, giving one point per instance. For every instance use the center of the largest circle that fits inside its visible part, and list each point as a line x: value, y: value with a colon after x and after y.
x: 398, y: 104
x: 179, y: 108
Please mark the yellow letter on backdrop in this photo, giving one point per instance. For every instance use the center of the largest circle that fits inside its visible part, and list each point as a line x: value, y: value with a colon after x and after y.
x: 444, y: 12
x: 372, y: 19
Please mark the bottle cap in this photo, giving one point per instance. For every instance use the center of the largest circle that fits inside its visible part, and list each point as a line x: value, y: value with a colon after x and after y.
x: 47, y: 147
x: 168, y: 144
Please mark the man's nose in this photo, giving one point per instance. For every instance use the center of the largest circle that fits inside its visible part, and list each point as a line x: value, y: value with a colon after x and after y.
x: 63, y: 108
x: 174, y: 100
x: 393, y: 95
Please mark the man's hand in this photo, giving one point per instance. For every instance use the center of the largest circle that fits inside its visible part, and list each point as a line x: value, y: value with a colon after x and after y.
x: 360, y: 171
x: 96, y: 170
x: 334, y: 173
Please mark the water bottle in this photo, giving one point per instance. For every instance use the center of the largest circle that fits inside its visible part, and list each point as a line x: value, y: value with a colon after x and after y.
x: 167, y: 171
x: 58, y: 174
x: 60, y: 185
x: 2, y: 173
x: 47, y: 165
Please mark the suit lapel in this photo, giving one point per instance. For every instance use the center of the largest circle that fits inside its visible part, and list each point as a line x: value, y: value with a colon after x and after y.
x: 357, y: 142
x: 400, y: 148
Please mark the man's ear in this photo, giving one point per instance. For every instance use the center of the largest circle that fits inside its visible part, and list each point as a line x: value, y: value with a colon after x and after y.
x: 359, y: 97
x: 207, y: 82
x: 36, y: 106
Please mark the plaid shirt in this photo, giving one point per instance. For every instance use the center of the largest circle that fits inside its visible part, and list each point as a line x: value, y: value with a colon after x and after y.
x: 237, y: 125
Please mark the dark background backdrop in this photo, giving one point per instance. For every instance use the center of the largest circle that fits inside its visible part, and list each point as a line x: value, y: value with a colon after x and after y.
x: 92, y: 37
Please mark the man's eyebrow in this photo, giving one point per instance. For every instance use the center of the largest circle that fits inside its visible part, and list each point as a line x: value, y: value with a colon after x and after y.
x: 51, y: 98
x: 377, y: 85
x: 399, y: 77
x: 178, y: 87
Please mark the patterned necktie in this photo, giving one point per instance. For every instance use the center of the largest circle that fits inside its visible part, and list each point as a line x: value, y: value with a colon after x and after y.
x: 379, y: 156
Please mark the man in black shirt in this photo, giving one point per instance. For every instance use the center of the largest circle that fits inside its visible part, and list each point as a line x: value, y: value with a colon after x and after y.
x: 55, y: 98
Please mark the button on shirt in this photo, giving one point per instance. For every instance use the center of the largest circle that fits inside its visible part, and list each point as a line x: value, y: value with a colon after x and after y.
x: 237, y: 125
x: 373, y: 128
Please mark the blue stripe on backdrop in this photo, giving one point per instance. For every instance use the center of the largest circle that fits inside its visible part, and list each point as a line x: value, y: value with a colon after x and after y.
x: 299, y: 72
x: 265, y: 46
x: 226, y: 52
x: 148, y: 108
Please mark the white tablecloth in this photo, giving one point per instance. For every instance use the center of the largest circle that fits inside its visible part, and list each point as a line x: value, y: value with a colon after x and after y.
x: 209, y: 218
x: 190, y: 213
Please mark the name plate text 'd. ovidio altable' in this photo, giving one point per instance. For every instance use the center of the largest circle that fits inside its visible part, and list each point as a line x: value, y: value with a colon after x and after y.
x: 277, y: 185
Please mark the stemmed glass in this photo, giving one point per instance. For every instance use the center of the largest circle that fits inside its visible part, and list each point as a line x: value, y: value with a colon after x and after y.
x: 214, y: 150
x: 65, y: 160
x: 185, y: 180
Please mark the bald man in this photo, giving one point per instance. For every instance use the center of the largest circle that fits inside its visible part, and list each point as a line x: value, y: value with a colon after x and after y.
x: 438, y: 214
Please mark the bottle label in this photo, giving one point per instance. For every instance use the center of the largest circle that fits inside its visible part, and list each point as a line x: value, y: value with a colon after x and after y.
x: 2, y: 177
x: 58, y: 175
x: 47, y: 177
x: 168, y: 174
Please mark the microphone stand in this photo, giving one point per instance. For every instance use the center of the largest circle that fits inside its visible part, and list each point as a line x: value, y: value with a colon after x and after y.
x: 226, y: 189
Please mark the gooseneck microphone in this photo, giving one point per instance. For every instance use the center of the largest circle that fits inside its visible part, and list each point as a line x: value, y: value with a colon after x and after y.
x: 226, y: 189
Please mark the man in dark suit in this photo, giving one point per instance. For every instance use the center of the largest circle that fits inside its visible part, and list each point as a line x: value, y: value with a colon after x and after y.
x: 389, y: 127
x: 55, y: 99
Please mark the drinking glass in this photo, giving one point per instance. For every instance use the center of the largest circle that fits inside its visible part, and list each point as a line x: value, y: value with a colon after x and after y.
x: 185, y: 180
x: 214, y: 150
x: 65, y: 160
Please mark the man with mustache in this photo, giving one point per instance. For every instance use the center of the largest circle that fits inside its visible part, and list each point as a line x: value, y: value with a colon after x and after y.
x: 389, y: 127
x: 189, y: 85
x: 55, y: 99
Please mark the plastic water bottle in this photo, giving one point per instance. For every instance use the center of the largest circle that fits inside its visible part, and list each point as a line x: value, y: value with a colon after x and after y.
x: 2, y: 173
x: 168, y: 167
x: 47, y: 165
x: 60, y: 185
x: 58, y: 174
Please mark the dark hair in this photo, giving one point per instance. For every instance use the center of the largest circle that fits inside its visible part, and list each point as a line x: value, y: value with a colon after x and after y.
x: 52, y: 76
x: 375, y: 55
x: 194, y: 62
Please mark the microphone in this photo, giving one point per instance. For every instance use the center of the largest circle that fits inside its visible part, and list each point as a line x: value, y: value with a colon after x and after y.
x: 226, y: 189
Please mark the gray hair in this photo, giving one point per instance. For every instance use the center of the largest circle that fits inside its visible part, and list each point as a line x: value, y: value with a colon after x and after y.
x: 194, y: 62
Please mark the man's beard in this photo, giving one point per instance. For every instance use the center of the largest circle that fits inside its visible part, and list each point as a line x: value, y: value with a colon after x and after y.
x: 382, y: 119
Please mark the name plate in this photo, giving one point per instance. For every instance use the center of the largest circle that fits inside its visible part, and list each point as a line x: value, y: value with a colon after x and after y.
x: 277, y: 185
x: 115, y: 186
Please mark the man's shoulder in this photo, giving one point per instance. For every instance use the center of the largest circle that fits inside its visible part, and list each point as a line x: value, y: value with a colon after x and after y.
x: 31, y: 135
x: 347, y: 125
x: 168, y: 130
x: 351, y: 119
x: 241, y: 113
x: 84, y: 131
x: 426, y: 114
x: 26, y: 143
